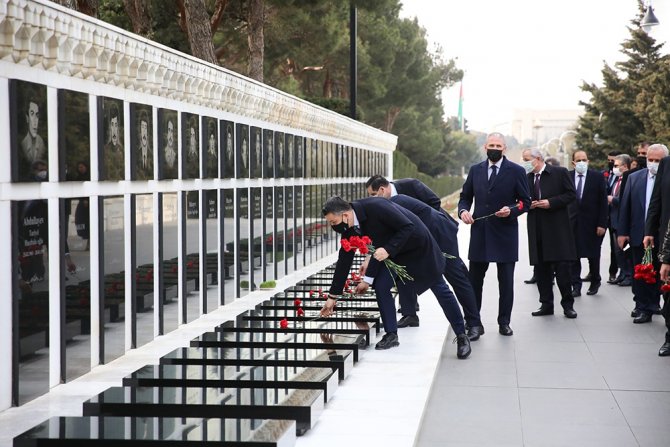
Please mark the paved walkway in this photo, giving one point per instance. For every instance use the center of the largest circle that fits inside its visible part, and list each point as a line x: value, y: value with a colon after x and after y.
x: 593, y: 381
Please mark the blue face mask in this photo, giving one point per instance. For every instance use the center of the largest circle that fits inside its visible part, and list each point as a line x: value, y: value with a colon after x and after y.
x: 528, y: 166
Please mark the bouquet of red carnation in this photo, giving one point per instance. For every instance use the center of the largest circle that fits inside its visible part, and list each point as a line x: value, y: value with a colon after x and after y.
x: 645, y: 271
x: 364, y: 246
x: 518, y: 205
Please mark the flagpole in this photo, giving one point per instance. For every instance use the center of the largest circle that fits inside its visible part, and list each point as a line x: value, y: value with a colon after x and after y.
x: 461, y: 121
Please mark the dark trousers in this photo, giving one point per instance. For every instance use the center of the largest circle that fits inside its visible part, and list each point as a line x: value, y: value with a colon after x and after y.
x: 666, y: 313
x: 458, y: 276
x: 505, y: 287
x: 646, y: 296
x: 623, y: 260
x: 614, y: 267
x: 383, y: 284
x: 594, y: 271
x: 445, y: 298
x: 544, y: 273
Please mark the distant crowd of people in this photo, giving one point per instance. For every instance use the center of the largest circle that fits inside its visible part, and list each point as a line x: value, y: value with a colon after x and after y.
x: 569, y: 213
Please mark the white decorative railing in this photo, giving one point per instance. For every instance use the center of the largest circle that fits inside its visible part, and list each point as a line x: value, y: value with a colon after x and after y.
x: 47, y: 36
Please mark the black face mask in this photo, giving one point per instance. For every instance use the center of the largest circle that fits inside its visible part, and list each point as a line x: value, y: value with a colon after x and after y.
x: 340, y: 227
x: 493, y: 155
x: 641, y: 162
x: 610, y: 164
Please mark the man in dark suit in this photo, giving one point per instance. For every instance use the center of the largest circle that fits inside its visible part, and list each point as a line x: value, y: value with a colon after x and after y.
x: 664, y: 257
x: 445, y: 233
x: 610, y: 178
x: 494, y: 185
x: 658, y: 215
x: 623, y: 258
x: 630, y: 227
x: 590, y: 215
x: 399, y: 235
x: 550, y: 240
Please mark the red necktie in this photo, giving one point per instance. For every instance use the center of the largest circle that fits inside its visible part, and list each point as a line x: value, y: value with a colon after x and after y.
x: 616, y: 187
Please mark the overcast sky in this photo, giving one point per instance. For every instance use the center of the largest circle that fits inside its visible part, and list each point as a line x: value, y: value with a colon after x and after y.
x: 527, y: 54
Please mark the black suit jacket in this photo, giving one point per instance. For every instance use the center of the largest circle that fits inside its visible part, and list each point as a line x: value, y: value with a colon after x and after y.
x: 443, y: 229
x: 551, y: 228
x: 590, y: 213
x: 418, y: 190
x: 658, y: 212
x: 402, y: 234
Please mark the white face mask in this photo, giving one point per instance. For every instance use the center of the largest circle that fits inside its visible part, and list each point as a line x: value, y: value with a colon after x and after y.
x: 616, y: 172
x: 581, y: 167
x: 653, y: 167
x: 528, y: 166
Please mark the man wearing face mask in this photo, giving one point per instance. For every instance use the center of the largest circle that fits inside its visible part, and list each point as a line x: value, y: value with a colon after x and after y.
x: 590, y: 216
x: 641, y: 159
x: 551, y: 243
x: 621, y: 171
x: 632, y: 216
x: 399, y: 235
x: 494, y: 185
x: 610, y: 178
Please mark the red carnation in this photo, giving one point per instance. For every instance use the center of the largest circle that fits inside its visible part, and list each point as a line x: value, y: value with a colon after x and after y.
x: 665, y: 288
x: 297, y: 302
x: 346, y: 245
x: 606, y: 174
x: 283, y: 323
x: 520, y: 206
x: 300, y: 312
x: 366, y: 240
x: 363, y: 249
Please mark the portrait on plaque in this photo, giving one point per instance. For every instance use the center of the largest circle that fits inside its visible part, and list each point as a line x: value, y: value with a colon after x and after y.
x: 227, y: 149
x: 256, y: 156
x: 141, y: 142
x: 290, y: 156
x: 110, y: 128
x: 299, y: 157
x: 211, y: 142
x: 74, y: 141
x: 190, y: 145
x: 268, y: 154
x: 243, y: 161
x: 168, y: 134
x: 280, y: 155
x: 29, y: 129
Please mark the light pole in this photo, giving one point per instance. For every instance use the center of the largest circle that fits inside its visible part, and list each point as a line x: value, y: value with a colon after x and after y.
x: 649, y: 19
x: 537, y: 125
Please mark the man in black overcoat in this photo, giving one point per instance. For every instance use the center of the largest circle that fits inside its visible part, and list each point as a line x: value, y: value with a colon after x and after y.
x: 550, y: 240
x: 398, y: 235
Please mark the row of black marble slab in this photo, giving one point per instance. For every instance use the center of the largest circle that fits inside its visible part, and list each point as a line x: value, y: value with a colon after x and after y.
x: 260, y: 380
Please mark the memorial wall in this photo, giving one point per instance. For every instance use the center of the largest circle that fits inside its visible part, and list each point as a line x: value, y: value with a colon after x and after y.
x: 142, y: 188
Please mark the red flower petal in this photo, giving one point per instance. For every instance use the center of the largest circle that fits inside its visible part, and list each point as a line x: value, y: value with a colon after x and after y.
x: 283, y: 323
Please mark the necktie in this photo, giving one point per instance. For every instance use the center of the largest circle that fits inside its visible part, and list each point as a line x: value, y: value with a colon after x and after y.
x: 492, y: 177
x: 537, y: 186
x: 616, y: 187
x: 580, y: 186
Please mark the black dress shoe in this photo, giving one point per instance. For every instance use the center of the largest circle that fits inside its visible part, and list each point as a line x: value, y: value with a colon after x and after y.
x: 576, y: 293
x: 570, y: 313
x: 463, y: 349
x: 626, y: 282
x: 475, y: 332
x: 409, y: 321
x: 665, y: 348
x: 587, y: 278
x: 593, y: 288
x: 504, y: 329
x: 612, y: 280
x: 635, y: 313
x: 532, y: 280
x: 542, y: 311
x: 644, y: 317
x: 389, y: 340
